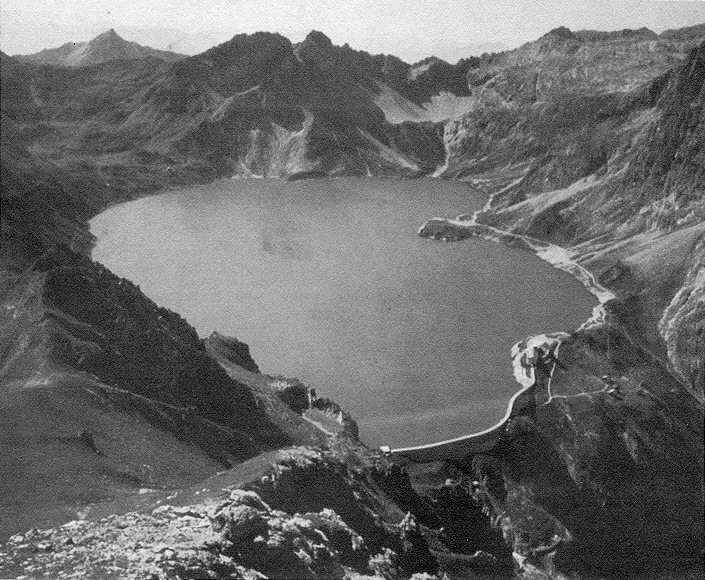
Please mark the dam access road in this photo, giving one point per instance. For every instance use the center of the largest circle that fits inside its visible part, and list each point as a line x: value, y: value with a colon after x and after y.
x: 536, y: 359
x: 531, y: 355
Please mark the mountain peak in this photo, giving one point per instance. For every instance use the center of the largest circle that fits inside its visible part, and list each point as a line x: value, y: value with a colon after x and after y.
x: 108, y: 35
x: 107, y: 46
x: 640, y: 32
x: 561, y: 32
x: 318, y: 38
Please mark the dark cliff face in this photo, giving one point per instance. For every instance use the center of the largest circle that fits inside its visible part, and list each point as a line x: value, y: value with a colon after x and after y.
x: 603, y: 476
x: 672, y: 160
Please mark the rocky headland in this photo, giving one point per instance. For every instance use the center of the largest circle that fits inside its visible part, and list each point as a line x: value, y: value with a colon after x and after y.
x: 142, y: 451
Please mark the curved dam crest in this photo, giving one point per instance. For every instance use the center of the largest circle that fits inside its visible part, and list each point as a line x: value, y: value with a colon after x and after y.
x: 327, y: 280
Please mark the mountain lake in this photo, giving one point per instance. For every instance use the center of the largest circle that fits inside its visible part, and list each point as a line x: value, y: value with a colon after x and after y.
x: 328, y: 281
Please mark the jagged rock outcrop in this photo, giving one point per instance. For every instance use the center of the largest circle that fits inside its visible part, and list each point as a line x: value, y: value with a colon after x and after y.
x: 603, y: 477
x: 295, y: 394
x: 306, y: 515
x: 105, y: 47
x: 231, y: 350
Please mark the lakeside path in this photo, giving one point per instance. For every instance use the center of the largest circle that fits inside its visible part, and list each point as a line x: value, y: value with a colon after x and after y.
x: 529, y: 356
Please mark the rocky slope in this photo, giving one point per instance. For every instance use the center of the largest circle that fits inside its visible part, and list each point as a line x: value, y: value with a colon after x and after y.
x: 299, y: 514
x: 603, y: 476
x: 585, y: 62
x: 105, y: 47
x: 110, y: 404
x: 634, y: 215
x: 256, y: 105
x: 105, y: 393
x: 560, y: 98
x: 596, y: 478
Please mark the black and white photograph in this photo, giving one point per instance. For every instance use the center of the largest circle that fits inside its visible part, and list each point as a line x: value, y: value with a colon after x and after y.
x: 352, y: 290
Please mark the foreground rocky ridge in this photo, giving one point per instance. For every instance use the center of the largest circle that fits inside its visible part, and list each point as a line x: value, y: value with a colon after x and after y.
x: 306, y: 514
x: 600, y: 477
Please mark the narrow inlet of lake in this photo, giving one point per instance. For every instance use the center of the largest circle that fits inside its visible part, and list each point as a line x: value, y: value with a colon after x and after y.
x: 328, y: 281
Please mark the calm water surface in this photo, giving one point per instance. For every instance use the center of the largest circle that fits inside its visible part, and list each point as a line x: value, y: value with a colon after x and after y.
x: 327, y: 281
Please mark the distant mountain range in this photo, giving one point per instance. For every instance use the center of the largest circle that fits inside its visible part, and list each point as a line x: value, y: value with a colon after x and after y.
x: 103, y: 48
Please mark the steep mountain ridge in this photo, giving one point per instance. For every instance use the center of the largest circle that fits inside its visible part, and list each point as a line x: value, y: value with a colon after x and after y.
x: 647, y: 191
x: 75, y: 336
x: 249, y: 106
x: 618, y: 402
x: 303, y: 109
x: 587, y: 62
x: 559, y: 104
x: 105, y: 47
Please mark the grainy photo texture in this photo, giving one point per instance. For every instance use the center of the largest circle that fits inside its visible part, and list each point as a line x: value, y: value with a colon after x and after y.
x: 351, y: 290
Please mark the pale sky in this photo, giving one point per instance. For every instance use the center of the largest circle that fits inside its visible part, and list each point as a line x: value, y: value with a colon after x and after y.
x: 411, y: 29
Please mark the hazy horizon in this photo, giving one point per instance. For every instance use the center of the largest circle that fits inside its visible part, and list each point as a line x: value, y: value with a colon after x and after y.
x: 450, y: 29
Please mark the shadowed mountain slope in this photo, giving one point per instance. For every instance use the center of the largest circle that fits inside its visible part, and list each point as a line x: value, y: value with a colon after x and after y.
x: 110, y: 393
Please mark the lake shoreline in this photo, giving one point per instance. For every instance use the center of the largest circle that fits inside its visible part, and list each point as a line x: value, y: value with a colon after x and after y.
x: 446, y: 229
x: 524, y: 353
x: 283, y: 225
